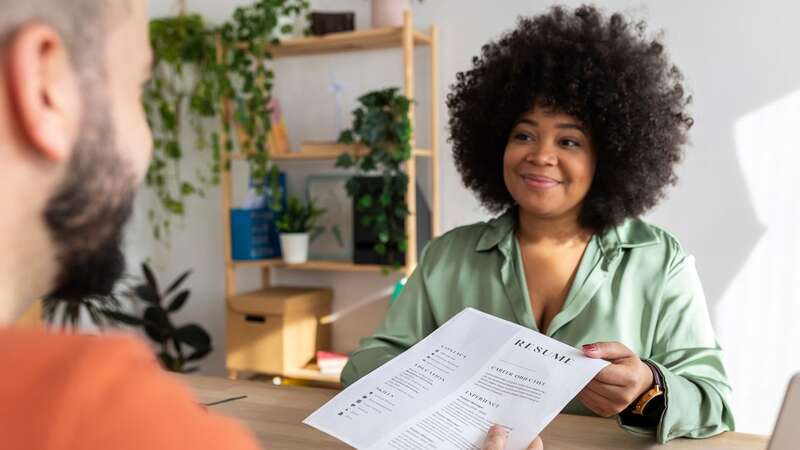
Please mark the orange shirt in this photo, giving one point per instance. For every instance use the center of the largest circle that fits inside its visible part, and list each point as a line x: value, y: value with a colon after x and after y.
x: 91, y: 393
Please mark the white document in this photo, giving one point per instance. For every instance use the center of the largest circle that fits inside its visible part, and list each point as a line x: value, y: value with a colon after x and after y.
x: 445, y: 392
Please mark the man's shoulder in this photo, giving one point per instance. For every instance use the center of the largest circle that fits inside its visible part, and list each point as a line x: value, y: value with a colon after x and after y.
x: 69, y: 367
x: 96, y: 387
x: 40, y: 349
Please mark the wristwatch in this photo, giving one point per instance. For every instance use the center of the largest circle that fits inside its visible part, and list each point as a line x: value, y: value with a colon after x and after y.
x: 640, y: 407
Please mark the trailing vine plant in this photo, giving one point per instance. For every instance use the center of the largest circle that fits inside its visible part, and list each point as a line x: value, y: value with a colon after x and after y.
x: 381, y: 124
x: 196, y: 67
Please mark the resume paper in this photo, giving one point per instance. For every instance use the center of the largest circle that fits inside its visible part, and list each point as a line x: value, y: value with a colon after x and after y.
x: 446, y: 391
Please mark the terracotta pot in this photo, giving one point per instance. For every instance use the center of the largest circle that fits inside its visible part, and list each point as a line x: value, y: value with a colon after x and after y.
x: 388, y: 13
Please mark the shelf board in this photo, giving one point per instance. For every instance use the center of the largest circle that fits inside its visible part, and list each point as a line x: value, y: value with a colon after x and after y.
x: 336, y: 266
x: 348, y: 41
x: 321, y: 155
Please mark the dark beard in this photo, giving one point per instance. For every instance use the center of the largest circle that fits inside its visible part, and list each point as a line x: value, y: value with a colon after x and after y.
x: 87, y: 214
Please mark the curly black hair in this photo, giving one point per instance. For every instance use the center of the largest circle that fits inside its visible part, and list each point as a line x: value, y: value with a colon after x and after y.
x: 603, y: 70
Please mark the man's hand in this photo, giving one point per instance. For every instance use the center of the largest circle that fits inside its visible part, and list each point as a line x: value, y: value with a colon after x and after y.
x: 618, y: 384
x: 496, y: 440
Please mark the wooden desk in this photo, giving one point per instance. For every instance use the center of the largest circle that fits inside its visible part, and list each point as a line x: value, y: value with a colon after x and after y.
x: 275, y: 413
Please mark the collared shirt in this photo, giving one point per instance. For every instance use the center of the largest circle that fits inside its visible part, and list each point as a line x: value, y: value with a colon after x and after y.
x: 634, y: 284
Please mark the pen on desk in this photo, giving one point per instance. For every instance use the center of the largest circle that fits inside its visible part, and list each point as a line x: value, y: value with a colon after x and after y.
x: 218, y: 402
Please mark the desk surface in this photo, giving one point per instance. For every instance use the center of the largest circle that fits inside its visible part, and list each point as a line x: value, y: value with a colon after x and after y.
x: 275, y: 413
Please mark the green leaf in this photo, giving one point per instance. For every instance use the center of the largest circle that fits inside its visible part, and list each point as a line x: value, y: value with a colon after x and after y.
x: 383, y: 237
x: 365, y: 201
x: 386, y: 198
x: 173, y: 150
x: 346, y: 137
x: 316, y: 233
x: 178, y: 301
x: 121, y: 317
x: 344, y: 160
x: 368, y: 163
x: 173, y: 206
x: 187, y: 188
x: 199, y: 354
x: 157, y: 325
x: 151, y: 280
x: 167, y: 361
x: 337, y: 233
x: 194, y: 336
x: 147, y: 293
x: 178, y: 281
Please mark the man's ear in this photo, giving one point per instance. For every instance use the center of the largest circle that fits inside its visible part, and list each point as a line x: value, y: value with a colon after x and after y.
x: 44, y: 92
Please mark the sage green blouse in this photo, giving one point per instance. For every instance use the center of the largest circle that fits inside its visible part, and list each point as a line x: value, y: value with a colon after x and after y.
x: 635, y: 285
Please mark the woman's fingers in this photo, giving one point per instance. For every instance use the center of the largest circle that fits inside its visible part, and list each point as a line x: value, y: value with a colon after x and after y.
x: 537, y: 444
x: 495, y: 439
x: 615, y: 394
x: 614, y: 398
x: 597, y: 403
x: 610, y: 351
x: 607, y: 391
x: 618, y: 384
x: 617, y: 375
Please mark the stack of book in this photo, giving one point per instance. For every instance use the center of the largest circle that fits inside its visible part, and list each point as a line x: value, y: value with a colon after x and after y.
x: 331, y: 363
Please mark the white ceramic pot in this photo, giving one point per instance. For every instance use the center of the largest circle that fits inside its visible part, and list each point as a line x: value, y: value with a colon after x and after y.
x: 388, y: 13
x: 294, y: 247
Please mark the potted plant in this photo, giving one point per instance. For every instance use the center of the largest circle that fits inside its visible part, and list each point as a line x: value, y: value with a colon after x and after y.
x: 378, y: 189
x: 294, y: 224
x: 178, y: 346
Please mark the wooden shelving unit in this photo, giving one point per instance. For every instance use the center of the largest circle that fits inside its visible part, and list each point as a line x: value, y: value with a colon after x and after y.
x: 334, y: 266
x: 374, y: 39
x: 321, y: 155
x: 405, y: 38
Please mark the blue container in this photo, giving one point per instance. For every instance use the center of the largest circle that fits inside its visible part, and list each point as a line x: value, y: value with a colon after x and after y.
x: 254, y: 234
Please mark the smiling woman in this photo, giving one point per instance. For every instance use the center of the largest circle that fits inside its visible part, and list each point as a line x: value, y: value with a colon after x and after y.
x: 570, y: 126
x: 549, y: 163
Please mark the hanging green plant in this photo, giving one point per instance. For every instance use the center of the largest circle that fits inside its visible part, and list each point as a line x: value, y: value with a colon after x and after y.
x: 381, y: 124
x: 197, y: 66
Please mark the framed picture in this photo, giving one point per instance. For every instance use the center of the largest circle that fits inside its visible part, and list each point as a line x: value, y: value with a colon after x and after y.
x: 333, y: 237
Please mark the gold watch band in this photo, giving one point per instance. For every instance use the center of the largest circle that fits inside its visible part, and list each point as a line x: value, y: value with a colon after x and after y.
x: 648, y: 396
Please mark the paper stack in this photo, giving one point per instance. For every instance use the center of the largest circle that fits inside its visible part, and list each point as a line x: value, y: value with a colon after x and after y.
x: 331, y: 363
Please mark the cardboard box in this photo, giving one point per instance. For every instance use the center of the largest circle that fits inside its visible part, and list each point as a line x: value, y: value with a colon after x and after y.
x: 276, y: 330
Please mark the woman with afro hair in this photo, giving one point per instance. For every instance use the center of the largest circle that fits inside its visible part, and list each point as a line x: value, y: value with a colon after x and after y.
x: 569, y: 128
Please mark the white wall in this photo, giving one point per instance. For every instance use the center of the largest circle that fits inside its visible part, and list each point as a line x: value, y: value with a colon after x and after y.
x: 736, y: 207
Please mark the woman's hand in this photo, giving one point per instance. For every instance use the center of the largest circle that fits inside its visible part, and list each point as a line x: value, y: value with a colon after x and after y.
x: 496, y: 440
x: 618, y: 384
